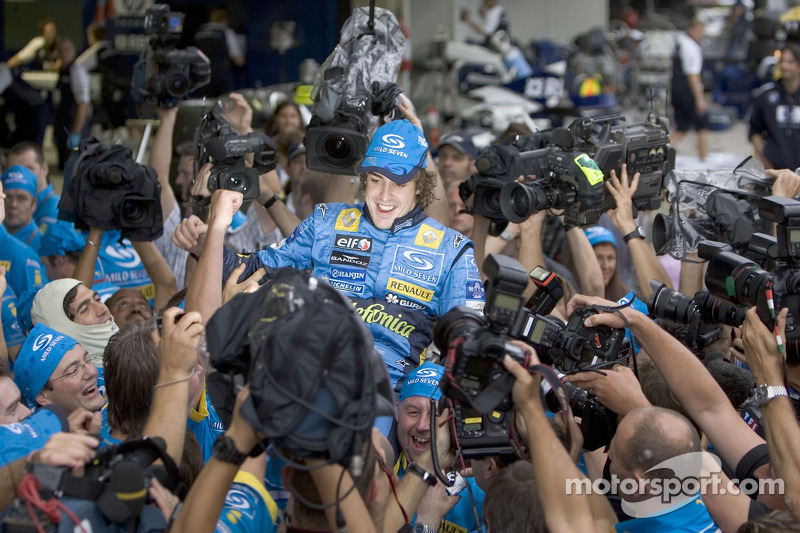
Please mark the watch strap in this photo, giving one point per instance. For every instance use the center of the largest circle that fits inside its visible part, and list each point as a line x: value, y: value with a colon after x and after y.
x: 271, y: 201
x: 423, y: 474
x: 638, y: 233
x: 225, y: 450
x: 765, y: 393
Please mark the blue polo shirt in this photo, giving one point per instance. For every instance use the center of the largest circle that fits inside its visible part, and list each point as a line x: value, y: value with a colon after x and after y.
x: 46, y: 208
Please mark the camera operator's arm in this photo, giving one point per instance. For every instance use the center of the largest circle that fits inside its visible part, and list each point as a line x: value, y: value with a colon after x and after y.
x: 590, y: 277
x: 531, y: 253
x: 203, y: 505
x: 617, y: 388
x: 690, y: 382
x: 84, y: 268
x: 412, y: 489
x: 239, y: 114
x: 204, y: 294
x: 334, y: 484
x: 160, y: 274
x: 780, y: 422
x: 269, y: 186
x: 177, y: 358
x: 551, y: 461
x: 645, y: 262
x: 787, y: 183
x: 161, y: 155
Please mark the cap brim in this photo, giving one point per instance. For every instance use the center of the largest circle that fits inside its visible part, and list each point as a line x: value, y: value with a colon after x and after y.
x: 400, y: 174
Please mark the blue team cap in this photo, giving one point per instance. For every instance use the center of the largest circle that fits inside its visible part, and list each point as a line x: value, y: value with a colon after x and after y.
x: 423, y: 381
x: 60, y: 239
x: 19, y: 177
x: 397, y: 150
x: 38, y: 358
x: 599, y: 235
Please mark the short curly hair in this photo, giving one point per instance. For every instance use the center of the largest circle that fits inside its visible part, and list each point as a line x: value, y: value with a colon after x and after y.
x: 424, y: 183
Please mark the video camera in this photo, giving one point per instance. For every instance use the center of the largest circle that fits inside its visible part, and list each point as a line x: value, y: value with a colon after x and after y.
x: 217, y: 142
x: 164, y: 74
x: 474, y: 347
x: 112, y: 490
x: 354, y: 90
x: 569, y: 165
x: 702, y: 314
x: 739, y: 280
x: 105, y: 188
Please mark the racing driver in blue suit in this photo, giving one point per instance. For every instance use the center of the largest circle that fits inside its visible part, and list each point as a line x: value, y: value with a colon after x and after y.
x: 399, y: 267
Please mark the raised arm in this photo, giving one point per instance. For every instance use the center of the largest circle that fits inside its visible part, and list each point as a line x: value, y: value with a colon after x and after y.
x: 269, y: 187
x: 687, y: 378
x: 160, y: 274
x: 589, y: 274
x: 161, y: 156
x: 84, y: 269
x: 645, y: 262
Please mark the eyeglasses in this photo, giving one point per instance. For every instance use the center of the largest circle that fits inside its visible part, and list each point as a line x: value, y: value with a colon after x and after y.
x: 74, y: 369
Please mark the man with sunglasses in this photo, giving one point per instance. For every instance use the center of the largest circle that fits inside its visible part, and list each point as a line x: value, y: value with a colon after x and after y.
x: 52, y: 368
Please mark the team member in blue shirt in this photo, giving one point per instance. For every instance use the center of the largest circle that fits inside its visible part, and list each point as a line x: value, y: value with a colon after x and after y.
x: 31, y: 156
x: 19, y: 184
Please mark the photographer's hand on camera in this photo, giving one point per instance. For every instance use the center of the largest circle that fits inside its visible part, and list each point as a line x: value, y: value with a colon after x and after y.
x: 761, y: 348
x: 200, y: 181
x: 617, y: 388
x: 787, y: 182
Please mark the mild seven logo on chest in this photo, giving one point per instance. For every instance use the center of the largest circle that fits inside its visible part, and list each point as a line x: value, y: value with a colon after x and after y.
x: 424, y: 267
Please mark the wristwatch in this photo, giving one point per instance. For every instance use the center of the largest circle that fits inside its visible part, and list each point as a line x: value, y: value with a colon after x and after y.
x: 419, y: 527
x: 764, y: 393
x: 275, y: 197
x: 426, y: 476
x: 225, y: 450
x: 638, y: 233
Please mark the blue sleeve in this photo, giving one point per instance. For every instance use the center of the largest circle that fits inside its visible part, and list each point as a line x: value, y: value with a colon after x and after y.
x: 206, y: 426
x: 295, y: 250
x: 464, y: 285
x: 247, y: 508
x: 20, y: 439
x: 12, y: 332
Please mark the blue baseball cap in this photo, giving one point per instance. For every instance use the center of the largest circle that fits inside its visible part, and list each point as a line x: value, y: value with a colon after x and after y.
x: 423, y: 381
x: 19, y: 177
x: 60, y: 239
x: 600, y: 235
x: 461, y: 142
x: 38, y: 358
x: 397, y: 150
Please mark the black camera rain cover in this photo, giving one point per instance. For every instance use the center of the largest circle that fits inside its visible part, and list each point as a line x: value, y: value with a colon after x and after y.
x: 364, y: 56
x: 714, y: 205
x: 309, y: 353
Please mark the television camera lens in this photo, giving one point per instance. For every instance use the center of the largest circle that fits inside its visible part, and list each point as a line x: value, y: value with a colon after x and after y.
x: 728, y: 271
x: 137, y: 212
x: 178, y: 84
x: 519, y: 200
x: 715, y: 310
x: 235, y: 182
x: 338, y: 148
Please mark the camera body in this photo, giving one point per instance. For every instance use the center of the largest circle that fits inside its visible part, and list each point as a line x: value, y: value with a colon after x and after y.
x: 474, y: 346
x: 598, y: 422
x: 164, y: 75
x: 742, y: 281
x: 105, y: 188
x: 218, y: 143
x: 643, y: 147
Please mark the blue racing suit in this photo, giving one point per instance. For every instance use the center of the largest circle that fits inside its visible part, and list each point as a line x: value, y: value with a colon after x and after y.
x: 399, y: 280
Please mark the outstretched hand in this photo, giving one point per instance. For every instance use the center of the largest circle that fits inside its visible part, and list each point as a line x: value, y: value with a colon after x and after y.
x: 622, y: 192
x: 764, y: 357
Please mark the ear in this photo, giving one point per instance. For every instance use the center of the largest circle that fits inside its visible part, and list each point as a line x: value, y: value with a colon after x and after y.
x: 492, y: 468
x: 42, y: 398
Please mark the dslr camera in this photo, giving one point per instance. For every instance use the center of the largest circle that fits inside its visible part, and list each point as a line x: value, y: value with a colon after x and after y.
x: 164, y: 74
x: 742, y: 281
x: 217, y: 142
x: 474, y: 347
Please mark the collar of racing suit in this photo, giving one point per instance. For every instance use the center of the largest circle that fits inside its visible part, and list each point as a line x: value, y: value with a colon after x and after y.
x: 414, y: 217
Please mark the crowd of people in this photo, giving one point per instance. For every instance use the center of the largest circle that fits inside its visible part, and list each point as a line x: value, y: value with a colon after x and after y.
x: 107, y: 341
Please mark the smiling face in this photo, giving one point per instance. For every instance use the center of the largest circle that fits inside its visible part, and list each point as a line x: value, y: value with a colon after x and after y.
x: 87, y: 309
x: 387, y: 201
x: 73, y: 384
x: 413, y: 426
x: 607, y: 257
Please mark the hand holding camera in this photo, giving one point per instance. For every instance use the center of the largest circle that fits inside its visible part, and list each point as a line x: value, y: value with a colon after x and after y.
x: 764, y: 355
x: 622, y: 191
x: 617, y: 388
x: 177, y: 344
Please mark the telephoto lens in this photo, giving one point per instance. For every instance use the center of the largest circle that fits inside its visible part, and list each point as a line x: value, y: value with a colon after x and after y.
x: 669, y: 304
x: 716, y: 310
x: 736, y: 277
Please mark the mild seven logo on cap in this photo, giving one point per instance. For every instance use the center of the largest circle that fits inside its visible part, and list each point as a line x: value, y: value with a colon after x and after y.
x: 42, y: 341
x: 394, y: 141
